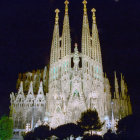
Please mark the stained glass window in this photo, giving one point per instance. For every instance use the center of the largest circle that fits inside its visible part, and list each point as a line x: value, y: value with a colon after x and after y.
x: 58, y: 109
x: 76, y: 93
x: 97, y: 70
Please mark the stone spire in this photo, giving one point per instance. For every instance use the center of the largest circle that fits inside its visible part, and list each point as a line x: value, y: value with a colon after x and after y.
x: 76, y: 58
x: 96, y: 50
x: 122, y: 87
x: 31, y: 88
x: 55, y: 42
x: 40, y: 91
x: 66, y: 39
x: 45, y: 72
x: 113, y: 123
x: 116, y: 93
x: 86, y: 39
x: 66, y: 6
x: 20, y: 91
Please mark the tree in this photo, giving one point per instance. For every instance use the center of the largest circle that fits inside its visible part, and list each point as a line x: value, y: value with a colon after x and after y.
x: 29, y: 136
x: 42, y: 132
x: 90, y: 121
x: 110, y: 135
x: 93, y: 137
x: 128, y: 127
x: 6, y: 128
x: 67, y: 130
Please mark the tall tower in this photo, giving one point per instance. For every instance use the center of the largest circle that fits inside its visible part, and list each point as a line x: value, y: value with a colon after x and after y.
x: 65, y: 53
x: 96, y: 50
x: 53, y: 72
x: 60, y: 67
x: 87, y: 63
x: 93, y: 81
x: 86, y: 39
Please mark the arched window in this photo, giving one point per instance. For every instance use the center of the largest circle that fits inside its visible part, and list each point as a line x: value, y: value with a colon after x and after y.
x: 76, y: 93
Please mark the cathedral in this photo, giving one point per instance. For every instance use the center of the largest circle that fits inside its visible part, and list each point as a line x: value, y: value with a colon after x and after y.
x: 72, y: 83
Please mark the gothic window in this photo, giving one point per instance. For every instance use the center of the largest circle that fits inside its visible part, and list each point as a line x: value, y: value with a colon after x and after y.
x: 60, y: 55
x: 76, y: 93
x: 19, y: 121
x: 19, y: 99
x: 16, y: 123
x: 70, y: 86
x: 65, y: 65
x: 60, y: 71
x: 54, y: 73
x: 97, y: 70
x: 92, y: 71
x: 58, y: 109
x: 29, y: 117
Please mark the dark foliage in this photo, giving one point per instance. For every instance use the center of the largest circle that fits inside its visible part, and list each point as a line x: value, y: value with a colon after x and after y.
x: 29, y: 136
x: 93, y: 137
x: 110, y: 136
x: 90, y: 121
x: 42, y: 132
x: 128, y: 128
x: 67, y: 130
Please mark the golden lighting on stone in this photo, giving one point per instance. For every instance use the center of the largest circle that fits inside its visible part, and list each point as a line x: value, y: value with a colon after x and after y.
x: 66, y: 6
x: 57, y: 16
x: 94, y: 16
x: 85, y: 7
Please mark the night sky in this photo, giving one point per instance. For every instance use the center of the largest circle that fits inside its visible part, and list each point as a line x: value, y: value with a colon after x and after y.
x: 26, y: 28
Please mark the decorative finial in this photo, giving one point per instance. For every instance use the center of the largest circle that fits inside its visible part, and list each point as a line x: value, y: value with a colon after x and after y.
x: 57, y: 16
x: 93, y: 17
x: 76, y: 48
x: 76, y: 45
x: 85, y: 7
x: 66, y: 6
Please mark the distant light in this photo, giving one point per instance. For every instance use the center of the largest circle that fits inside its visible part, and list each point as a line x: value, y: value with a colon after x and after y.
x: 116, y: 0
x: 106, y: 118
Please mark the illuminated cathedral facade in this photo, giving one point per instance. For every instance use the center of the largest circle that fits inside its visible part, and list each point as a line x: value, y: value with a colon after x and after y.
x: 73, y: 83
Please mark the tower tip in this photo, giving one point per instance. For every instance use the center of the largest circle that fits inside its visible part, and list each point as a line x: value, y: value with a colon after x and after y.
x: 85, y: 6
x: 66, y: 6
x: 57, y: 11
x: 84, y: 2
x: 93, y: 10
x: 94, y: 16
x: 66, y: 2
x: 57, y: 17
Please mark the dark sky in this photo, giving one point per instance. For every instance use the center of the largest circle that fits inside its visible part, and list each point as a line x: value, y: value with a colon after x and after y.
x: 26, y: 28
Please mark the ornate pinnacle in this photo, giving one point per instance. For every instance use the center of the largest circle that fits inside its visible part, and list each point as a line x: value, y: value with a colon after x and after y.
x: 85, y: 7
x: 76, y: 48
x: 66, y: 6
x: 76, y: 45
x: 93, y: 17
x: 76, y: 57
x: 57, y: 16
